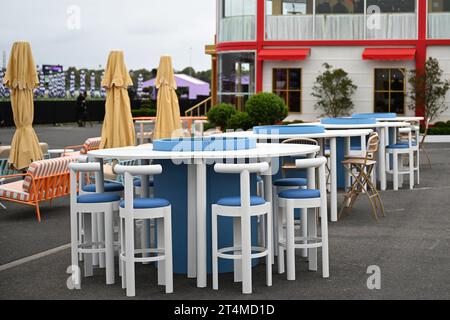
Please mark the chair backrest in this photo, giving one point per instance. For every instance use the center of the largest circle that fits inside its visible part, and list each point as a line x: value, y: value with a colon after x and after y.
x: 47, y: 168
x: 244, y: 170
x: 48, y: 179
x: 91, y: 144
x: 372, y: 146
x: 286, y: 165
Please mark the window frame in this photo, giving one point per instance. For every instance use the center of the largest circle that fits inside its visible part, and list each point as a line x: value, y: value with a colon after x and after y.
x: 390, y: 91
x: 287, y: 90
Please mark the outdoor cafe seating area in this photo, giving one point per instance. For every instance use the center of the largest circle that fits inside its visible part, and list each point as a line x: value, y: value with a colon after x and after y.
x: 201, y: 203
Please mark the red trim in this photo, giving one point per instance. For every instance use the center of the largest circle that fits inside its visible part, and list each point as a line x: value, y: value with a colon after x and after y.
x: 232, y: 46
x: 389, y: 54
x: 421, y: 56
x: 284, y: 54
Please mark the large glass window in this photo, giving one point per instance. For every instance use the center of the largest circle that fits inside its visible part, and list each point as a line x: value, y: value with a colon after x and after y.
x: 236, y: 78
x: 289, y: 19
x: 287, y: 83
x: 439, y: 19
x: 341, y: 19
x: 390, y: 90
x: 391, y: 19
x: 237, y: 20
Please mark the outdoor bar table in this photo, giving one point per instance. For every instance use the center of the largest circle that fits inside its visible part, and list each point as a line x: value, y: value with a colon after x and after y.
x: 199, y: 165
x: 387, y: 136
x: 332, y: 135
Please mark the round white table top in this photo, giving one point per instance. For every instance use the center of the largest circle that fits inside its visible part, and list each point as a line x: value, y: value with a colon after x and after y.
x: 263, y: 150
x: 399, y: 119
x: 366, y: 126
x: 327, y: 134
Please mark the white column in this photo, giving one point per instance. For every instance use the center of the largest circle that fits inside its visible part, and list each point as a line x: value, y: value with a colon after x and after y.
x: 333, y: 179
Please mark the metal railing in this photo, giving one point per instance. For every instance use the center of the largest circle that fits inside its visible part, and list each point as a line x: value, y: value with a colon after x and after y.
x: 196, y: 111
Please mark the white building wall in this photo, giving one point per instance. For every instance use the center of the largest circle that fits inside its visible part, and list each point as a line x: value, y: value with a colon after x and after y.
x: 442, y: 53
x: 347, y: 58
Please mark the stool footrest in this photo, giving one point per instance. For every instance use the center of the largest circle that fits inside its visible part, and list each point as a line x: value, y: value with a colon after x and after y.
x: 222, y: 253
x: 311, y: 243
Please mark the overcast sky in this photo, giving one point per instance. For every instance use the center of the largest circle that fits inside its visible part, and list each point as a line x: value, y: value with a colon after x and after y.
x: 144, y: 29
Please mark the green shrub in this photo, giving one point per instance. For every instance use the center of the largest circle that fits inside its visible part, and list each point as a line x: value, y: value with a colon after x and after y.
x: 240, y: 120
x: 143, y: 112
x: 219, y: 115
x: 440, y: 124
x: 439, y: 131
x: 266, y: 109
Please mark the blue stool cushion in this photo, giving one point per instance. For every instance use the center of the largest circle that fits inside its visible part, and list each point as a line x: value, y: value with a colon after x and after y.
x: 291, y: 182
x: 398, y: 146
x: 259, y: 179
x: 300, y: 194
x: 414, y: 144
x: 137, y: 183
x: 147, y: 203
x: 109, y: 187
x: 98, y: 198
x: 236, y: 201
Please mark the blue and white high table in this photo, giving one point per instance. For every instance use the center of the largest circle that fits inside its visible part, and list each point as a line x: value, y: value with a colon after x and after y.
x: 199, y: 165
x: 335, y: 155
x: 387, y: 131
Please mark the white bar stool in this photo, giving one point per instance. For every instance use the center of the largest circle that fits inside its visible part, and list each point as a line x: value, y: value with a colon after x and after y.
x: 91, y: 204
x: 132, y: 209
x: 401, y: 149
x: 242, y: 209
x: 288, y: 201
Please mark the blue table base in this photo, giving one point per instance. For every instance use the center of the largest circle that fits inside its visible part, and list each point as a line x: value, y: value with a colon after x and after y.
x: 172, y: 185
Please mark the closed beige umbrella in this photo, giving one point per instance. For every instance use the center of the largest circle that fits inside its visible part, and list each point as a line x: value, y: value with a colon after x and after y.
x: 21, y: 78
x: 118, y: 127
x: 168, y: 109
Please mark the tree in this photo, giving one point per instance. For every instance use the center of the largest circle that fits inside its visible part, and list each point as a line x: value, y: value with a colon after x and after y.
x: 428, y: 91
x: 334, y: 89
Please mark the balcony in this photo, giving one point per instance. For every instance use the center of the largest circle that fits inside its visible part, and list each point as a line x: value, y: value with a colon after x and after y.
x: 385, y: 26
x: 237, y: 28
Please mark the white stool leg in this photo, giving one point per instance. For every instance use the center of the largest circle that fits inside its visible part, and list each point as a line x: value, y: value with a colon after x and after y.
x: 395, y: 170
x: 109, y: 246
x: 122, y: 251
x: 80, y: 232
x: 101, y: 237
x: 215, y: 266
x: 281, y: 238
x: 94, y: 237
x: 325, y: 257
x: 411, y: 170
x: 246, y: 253
x: 312, y: 233
x: 269, y: 243
x: 161, y: 245
x: 418, y: 165
x: 168, y: 251
x: 74, y: 234
x: 237, y: 243
x: 129, y: 253
x: 290, y: 241
x: 88, y: 258
x: 304, y: 231
x: 275, y: 222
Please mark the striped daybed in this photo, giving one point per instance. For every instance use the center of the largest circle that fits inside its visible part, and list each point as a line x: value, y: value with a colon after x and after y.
x: 44, y: 180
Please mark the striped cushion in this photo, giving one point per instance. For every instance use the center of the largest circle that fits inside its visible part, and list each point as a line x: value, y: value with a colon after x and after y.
x: 91, y: 144
x: 45, y: 168
x: 14, y: 190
